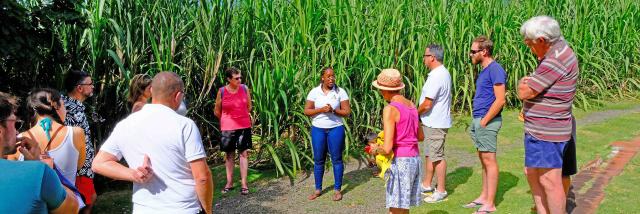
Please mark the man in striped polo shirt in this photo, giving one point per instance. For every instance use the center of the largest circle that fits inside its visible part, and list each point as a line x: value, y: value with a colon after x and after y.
x: 548, y: 95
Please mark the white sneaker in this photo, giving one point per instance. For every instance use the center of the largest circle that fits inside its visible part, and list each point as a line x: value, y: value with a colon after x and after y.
x: 436, y: 197
x: 427, y: 191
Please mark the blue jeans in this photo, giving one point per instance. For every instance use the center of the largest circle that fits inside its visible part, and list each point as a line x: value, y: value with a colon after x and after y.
x: 323, y: 141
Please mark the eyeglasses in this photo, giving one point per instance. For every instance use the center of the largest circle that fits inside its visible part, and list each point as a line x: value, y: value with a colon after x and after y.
x: 474, y: 51
x: 91, y: 84
x: 331, y: 78
x: 18, y: 123
x: 426, y: 55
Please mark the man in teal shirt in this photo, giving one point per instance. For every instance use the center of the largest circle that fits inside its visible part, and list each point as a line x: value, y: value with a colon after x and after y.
x: 27, y: 186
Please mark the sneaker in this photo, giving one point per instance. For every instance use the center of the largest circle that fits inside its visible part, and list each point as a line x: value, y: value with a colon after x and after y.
x: 427, y: 191
x: 436, y: 197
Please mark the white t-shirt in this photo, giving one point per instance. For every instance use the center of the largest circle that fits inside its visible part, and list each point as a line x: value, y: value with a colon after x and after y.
x: 333, y: 98
x: 171, y: 141
x: 437, y: 88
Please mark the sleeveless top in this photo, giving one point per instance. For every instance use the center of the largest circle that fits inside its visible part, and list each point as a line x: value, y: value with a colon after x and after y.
x: 405, y: 141
x: 65, y: 156
x: 234, y: 109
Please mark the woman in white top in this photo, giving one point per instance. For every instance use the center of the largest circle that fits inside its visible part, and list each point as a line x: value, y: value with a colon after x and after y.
x: 62, y: 146
x: 327, y: 104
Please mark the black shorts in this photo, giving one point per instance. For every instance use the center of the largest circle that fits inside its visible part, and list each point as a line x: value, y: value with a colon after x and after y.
x: 569, y: 163
x: 239, y: 139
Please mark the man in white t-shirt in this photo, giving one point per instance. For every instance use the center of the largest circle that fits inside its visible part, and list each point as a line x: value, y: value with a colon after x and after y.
x: 164, y: 152
x: 435, y: 114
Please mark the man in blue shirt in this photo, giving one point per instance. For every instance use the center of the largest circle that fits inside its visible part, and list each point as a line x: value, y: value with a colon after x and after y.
x: 487, y: 106
x: 27, y: 186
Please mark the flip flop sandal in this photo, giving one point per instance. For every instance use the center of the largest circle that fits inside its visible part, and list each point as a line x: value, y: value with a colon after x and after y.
x: 472, y: 204
x: 244, y: 191
x: 226, y: 190
x: 314, y: 196
x: 337, y: 196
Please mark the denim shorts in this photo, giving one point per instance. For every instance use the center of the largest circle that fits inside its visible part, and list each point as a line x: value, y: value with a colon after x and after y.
x: 542, y: 154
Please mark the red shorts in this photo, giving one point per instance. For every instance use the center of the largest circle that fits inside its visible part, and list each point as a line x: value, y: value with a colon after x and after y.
x: 86, y: 188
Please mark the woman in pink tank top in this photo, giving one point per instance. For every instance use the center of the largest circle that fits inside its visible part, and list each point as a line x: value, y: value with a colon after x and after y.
x: 232, y: 108
x: 402, y: 133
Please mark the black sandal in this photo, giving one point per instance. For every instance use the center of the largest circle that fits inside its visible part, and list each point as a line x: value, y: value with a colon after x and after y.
x: 226, y: 190
x: 244, y: 191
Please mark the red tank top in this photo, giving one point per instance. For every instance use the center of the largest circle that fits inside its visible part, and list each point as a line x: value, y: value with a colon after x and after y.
x: 235, y: 111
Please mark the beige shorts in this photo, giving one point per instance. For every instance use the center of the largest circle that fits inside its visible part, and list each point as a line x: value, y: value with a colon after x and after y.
x: 433, y: 144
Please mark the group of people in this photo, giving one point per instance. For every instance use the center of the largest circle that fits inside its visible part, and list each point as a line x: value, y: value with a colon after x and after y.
x: 166, y: 160
x: 58, y: 136
x: 549, y: 134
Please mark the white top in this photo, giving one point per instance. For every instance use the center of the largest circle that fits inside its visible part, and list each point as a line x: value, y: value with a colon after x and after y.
x: 333, y: 98
x: 65, y: 156
x: 171, y: 141
x: 437, y: 88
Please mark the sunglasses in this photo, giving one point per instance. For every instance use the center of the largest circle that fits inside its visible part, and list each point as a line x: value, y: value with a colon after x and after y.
x: 237, y: 78
x: 18, y: 123
x: 474, y: 51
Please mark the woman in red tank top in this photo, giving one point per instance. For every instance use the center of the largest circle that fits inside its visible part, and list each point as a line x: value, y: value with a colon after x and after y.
x: 232, y: 108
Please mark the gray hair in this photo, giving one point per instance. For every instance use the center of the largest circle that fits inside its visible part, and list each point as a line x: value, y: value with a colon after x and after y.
x: 437, y: 52
x: 541, y: 27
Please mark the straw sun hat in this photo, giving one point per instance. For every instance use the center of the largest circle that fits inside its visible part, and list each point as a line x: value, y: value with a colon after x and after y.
x: 389, y: 80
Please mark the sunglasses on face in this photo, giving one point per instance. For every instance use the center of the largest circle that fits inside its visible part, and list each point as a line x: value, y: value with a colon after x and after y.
x: 474, y: 51
x: 237, y: 78
x: 18, y: 123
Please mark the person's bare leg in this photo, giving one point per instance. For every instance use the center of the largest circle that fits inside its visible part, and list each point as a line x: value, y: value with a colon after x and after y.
x: 441, y: 172
x: 87, y: 209
x: 491, y: 179
x: 428, y: 172
x: 536, y: 190
x: 566, y: 184
x: 398, y: 211
x: 483, y: 194
x: 229, y: 164
x: 244, y: 167
x: 551, y: 181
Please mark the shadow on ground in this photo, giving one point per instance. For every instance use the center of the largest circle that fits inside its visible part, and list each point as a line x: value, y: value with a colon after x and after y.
x: 506, y: 181
x: 459, y: 176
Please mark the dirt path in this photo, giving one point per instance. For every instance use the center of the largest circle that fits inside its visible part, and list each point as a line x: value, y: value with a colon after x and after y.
x: 363, y: 192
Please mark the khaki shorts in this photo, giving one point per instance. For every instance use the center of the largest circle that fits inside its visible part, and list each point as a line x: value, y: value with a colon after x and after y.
x: 434, y: 142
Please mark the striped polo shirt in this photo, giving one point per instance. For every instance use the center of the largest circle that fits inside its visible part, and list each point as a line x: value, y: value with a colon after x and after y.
x: 548, y: 115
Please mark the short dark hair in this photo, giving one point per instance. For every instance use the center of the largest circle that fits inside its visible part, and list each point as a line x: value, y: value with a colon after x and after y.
x: 73, y: 78
x: 484, y: 43
x: 8, y: 106
x: 230, y: 71
x: 40, y: 102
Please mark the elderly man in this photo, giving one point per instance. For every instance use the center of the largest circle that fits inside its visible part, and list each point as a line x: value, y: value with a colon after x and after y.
x: 548, y: 96
x: 164, y: 152
x: 435, y: 114
x: 27, y: 186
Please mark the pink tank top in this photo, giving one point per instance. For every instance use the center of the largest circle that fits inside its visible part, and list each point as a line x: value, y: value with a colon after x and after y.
x: 235, y: 111
x: 405, y: 143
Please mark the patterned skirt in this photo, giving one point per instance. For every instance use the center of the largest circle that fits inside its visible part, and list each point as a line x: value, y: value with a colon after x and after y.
x: 403, y: 183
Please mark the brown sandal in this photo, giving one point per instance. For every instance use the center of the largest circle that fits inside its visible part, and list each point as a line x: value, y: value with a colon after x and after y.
x: 315, y: 195
x: 337, y: 196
